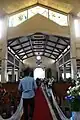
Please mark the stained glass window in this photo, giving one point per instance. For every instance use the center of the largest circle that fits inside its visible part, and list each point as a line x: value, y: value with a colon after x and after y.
x: 17, y: 19
x: 54, y: 16
x: 37, y: 10
x: 58, y: 18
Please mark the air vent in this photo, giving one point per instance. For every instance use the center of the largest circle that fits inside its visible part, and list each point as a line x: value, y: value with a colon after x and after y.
x: 38, y: 36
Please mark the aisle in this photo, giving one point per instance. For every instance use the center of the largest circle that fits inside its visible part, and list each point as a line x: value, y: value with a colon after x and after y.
x: 41, y: 111
x: 41, y: 108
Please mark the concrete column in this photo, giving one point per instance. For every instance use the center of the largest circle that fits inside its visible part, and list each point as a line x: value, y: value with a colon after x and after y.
x: 73, y: 48
x: 73, y: 69
x: 13, y: 71
x: 58, y: 70
x: 13, y: 74
x: 18, y: 72
x: 64, y: 69
x: 20, y: 69
x: 54, y: 70
x: 3, y: 70
x: 3, y: 46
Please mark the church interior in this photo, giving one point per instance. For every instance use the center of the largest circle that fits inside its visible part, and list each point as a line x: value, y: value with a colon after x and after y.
x: 43, y: 35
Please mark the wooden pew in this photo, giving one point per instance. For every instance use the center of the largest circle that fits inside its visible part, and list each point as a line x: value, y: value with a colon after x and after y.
x: 60, y: 91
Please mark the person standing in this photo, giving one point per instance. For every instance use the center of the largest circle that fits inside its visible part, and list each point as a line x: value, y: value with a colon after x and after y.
x: 27, y: 87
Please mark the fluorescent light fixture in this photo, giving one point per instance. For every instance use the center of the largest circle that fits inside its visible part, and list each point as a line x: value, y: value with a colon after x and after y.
x: 77, y: 27
x: 65, y: 50
x: 60, y: 56
x: 38, y: 57
x: 12, y: 51
x: 21, y: 60
x: 9, y: 48
x: 68, y: 46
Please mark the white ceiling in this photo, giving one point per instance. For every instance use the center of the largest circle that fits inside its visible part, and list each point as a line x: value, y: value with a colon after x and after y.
x: 67, y: 6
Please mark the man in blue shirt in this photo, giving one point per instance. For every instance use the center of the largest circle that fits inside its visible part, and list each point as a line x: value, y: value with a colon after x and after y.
x: 28, y: 87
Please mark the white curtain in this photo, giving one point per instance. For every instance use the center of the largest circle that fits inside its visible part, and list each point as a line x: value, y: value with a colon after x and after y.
x: 17, y: 115
x: 61, y: 114
x: 75, y: 116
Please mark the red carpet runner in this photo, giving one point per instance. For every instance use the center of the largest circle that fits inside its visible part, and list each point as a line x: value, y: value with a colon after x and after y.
x: 41, y: 108
x: 41, y: 111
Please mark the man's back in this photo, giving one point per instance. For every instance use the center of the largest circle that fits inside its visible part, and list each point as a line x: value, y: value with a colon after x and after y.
x: 27, y: 86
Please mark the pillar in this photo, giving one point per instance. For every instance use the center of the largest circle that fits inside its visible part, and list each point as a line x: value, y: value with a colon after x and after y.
x: 13, y: 71
x: 73, y: 48
x: 3, y: 46
x: 58, y: 70
x: 13, y: 74
x: 64, y: 69
x: 19, y: 70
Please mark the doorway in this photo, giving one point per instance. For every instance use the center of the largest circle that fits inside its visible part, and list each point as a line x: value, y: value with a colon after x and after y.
x: 39, y: 73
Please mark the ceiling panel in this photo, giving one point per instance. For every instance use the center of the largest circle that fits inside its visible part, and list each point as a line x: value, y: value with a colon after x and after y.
x: 66, y: 6
x: 48, y: 47
x: 26, y: 44
x: 16, y: 47
x: 47, y: 54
